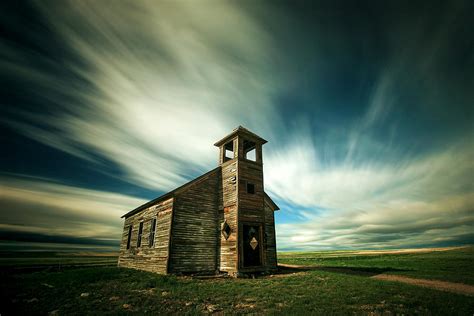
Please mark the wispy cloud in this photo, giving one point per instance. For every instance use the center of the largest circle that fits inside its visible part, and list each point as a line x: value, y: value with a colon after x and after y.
x: 149, y: 86
x: 380, y: 181
x: 382, y: 198
x: 49, y: 208
x: 164, y: 81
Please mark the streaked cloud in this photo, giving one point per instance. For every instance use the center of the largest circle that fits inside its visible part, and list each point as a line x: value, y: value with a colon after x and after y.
x: 370, y: 132
x: 165, y: 80
x: 374, y: 202
x: 47, y: 208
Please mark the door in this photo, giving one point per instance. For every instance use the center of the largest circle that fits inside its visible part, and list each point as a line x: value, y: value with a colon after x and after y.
x: 252, y: 245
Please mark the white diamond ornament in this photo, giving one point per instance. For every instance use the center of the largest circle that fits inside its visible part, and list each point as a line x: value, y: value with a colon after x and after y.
x: 253, y: 243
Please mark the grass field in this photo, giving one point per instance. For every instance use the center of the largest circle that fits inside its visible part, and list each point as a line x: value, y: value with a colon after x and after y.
x: 54, y: 260
x: 455, y: 265
x: 341, y: 286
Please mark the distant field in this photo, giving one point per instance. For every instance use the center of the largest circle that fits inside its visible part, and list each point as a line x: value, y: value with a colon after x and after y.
x: 455, y: 264
x: 21, y: 261
x: 341, y: 286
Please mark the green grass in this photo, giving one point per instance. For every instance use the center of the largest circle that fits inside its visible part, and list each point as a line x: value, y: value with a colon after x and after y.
x: 24, y: 260
x: 56, y: 262
x: 455, y: 265
x: 309, y: 292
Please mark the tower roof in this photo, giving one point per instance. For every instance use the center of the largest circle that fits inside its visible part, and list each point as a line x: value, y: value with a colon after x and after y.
x: 241, y: 131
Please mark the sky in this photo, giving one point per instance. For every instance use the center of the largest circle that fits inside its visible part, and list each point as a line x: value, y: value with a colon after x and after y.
x: 367, y: 107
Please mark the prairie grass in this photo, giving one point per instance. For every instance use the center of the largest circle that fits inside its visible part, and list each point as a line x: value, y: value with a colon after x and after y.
x: 112, y: 290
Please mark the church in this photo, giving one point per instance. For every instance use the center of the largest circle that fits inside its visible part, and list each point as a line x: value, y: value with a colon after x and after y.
x: 220, y: 222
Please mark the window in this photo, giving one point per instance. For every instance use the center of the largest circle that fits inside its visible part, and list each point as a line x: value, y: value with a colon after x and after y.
x: 229, y: 151
x: 129, y: 237
x: 151, y: 238
x: 249, y: 150
x: 226, y: 230
x: 140, y: 231
x: 250, y: 188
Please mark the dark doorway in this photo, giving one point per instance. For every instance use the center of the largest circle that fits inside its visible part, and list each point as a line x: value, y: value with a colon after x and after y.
x: 252, y: 245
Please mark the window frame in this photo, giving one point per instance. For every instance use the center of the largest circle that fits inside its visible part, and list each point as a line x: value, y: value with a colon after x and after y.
x: 129, y: 237
x: 224, y: 232
x: 139, y: 235
x: 151, y: 236
x: 252, y: 185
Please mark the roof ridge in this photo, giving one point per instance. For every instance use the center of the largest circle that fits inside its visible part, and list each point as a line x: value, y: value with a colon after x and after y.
x: 169, y: 194
x: 241, y: 129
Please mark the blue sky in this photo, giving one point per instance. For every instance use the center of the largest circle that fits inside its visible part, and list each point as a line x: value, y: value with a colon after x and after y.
x: 367, y: 108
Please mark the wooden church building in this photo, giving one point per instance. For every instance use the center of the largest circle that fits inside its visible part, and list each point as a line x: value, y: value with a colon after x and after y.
x: 219, y: 222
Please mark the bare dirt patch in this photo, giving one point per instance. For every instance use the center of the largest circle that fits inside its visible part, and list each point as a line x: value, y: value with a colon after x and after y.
x: 459, y: 288
x: 286, y: 270
x: 288, y: 274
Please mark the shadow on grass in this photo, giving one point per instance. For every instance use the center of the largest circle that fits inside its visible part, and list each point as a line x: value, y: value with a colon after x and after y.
x: 52, y: 267
x: 362, y: 271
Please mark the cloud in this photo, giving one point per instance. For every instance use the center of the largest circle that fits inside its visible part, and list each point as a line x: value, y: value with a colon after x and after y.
x: 149, y: 86
x: 152, y: 85
x: 363, y: 186
x: 417, y: 200
x: 37, y: 206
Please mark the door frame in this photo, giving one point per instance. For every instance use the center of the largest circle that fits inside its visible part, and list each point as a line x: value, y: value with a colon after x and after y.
x: 241, y: 245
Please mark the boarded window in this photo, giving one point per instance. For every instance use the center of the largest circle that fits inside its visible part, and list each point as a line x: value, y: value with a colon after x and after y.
x: 140, y: 232
x: 151, y: 238
x: 129, y: 237
x: 250, y: 188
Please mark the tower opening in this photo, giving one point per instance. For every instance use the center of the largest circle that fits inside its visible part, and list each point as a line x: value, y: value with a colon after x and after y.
x: 250, y: 152
x: 229, y: 151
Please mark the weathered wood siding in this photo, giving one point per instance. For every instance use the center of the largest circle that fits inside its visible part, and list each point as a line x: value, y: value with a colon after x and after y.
x: 253, y: 209
x: 251, y: 205
x: 194, y: 231
x: 270, y: 238
x: 155, y: 258
x: 228, y: 247
x: 189, y: 236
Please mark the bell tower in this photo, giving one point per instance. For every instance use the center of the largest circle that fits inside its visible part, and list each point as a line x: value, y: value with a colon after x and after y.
x: 242, y: 221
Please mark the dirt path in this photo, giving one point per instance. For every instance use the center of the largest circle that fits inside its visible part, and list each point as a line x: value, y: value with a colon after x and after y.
x: 459, y: 288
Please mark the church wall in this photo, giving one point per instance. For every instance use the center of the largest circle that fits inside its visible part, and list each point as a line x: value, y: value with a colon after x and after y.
x: 194, y: 241
x: 154, y: 258
x: 251, y: 205
x: 270, y: 238
x: 228, y: 214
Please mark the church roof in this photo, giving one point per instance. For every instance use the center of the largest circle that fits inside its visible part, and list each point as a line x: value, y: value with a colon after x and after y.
x: 269, y: 199
x: 171, y: 193
x: 242, y: 131
x: 182, y: 188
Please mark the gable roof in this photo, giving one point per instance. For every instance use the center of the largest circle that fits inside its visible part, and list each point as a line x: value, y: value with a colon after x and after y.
x: 182, y: 188
x: 270, y: 201
x: 170, y: 194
